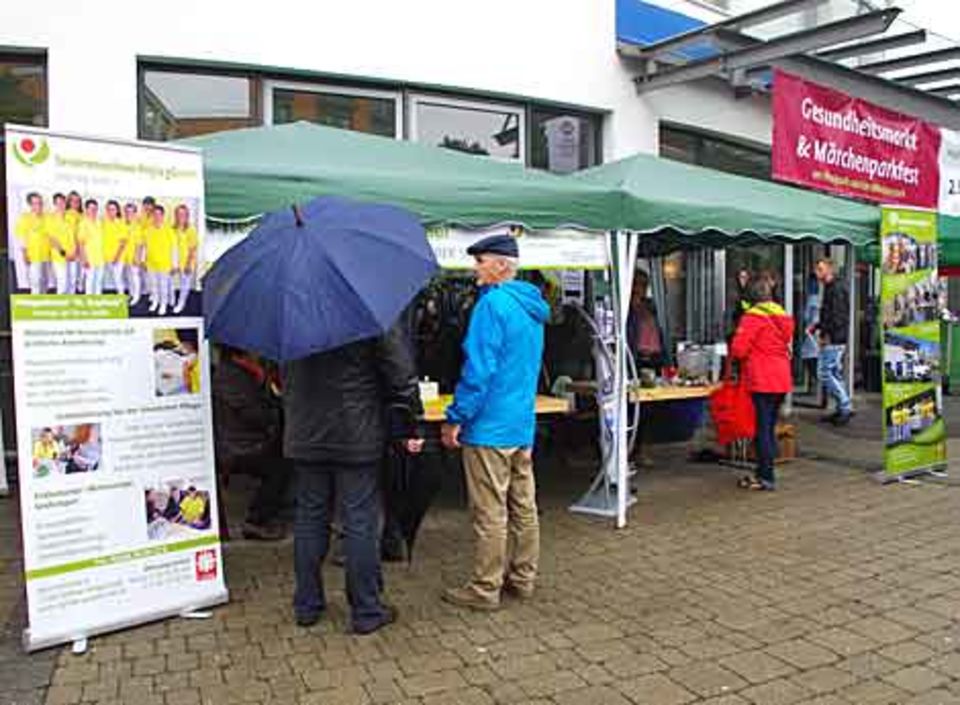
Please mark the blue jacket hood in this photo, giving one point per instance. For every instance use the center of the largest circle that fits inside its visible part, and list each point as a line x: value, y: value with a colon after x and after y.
x: 529, y: 298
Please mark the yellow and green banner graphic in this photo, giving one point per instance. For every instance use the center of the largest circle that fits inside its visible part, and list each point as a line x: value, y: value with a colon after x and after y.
x: 912, y: 296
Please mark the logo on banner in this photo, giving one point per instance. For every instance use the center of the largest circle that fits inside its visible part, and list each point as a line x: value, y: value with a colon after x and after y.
x: 205, y: 565
x: 30, y: 153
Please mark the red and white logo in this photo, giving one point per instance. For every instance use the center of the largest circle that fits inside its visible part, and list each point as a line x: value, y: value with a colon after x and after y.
x: 205, y: 564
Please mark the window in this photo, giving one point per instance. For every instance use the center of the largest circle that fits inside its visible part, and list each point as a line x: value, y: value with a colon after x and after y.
x: 705, y: 150
x: 23, y: 90
x: 486, y: 129
x: 374, y: 112
x: 181, y: 104
x: 563, y: 142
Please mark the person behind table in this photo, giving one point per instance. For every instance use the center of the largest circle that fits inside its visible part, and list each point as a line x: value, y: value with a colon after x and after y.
x: 91, y: 247
x: 762, y: 343
x: 645, y: 341
x: 30, y: 231
x: 493, y: 417
x: 134, y: 253
x: 833, y: 329
x: 161, y: 260
x: 334, y: 431
x: 187, y: 244
x: 62, y: 239
x: 116, y: 241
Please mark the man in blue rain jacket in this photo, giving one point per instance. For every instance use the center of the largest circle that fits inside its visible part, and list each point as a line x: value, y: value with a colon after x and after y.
x: 493, y: 416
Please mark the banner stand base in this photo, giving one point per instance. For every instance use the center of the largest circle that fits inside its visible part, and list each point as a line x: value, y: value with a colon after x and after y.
x: 936, y: 471
x: 30, y: 644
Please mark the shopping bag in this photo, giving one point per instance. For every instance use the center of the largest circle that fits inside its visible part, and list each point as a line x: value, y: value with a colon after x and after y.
x: 731, y: 408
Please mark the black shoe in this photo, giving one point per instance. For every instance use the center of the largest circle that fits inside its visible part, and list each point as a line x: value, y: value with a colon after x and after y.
x: 830, y: 418
x: 308, y: 620
x: 389, y: 617
x: 841, y: 419
x: 264, y: 532
x: 393, y: 552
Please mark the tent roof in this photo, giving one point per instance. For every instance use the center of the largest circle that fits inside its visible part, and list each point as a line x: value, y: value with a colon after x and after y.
x: 678, y: 204
x: 257, y: 170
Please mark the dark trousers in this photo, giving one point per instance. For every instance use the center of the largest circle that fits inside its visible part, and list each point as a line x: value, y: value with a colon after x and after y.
x: 269, y: 500
x: 767, y: 408
x: 354, y: 489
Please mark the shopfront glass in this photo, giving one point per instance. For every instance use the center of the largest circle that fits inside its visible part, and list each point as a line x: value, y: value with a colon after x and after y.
x: 181, y: 104
x: 346, y: 109
x: 484, y: 129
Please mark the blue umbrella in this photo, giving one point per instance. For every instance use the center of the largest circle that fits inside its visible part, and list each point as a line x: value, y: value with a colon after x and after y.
x: 312, y: 279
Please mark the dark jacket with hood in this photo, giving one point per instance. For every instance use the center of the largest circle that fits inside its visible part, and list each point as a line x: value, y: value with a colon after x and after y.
x: 495, y: 400
x: 338, y: 402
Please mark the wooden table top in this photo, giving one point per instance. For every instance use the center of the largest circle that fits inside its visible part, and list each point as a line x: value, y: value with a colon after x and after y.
x: 435, y: 411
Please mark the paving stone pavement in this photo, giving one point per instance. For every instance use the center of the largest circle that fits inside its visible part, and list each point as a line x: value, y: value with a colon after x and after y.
x: 833, y: 590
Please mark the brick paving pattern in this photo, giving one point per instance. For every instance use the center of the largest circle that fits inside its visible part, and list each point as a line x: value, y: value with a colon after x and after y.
x: 833, y: 590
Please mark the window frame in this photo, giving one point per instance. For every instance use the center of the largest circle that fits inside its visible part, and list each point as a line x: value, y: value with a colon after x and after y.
x: 269, y: 85
x: 415, y: 99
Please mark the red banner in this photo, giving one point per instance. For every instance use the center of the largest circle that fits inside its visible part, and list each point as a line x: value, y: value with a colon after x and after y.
x: 829, y: 141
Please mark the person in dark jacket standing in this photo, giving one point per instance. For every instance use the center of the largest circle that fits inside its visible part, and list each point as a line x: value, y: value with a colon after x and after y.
x: 833, y: 327
x: 336, y: 408
x: 763, y: 342
x: 248, y: 420
x: 494, y: 416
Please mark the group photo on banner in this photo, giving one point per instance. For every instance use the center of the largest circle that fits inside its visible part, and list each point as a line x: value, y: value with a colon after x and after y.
x: 112, y: 396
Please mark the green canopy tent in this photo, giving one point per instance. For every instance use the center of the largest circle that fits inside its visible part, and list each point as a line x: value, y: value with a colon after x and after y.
x: 677, y: 205
x: 258, y: 170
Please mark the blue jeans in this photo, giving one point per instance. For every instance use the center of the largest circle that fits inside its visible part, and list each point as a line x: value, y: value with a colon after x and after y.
x: 830, y: 372
x: 356, y: 490
x: 767, y: 408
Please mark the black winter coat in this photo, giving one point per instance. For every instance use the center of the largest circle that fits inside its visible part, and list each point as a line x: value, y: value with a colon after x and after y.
x: 247, y: 417
x: 337, y: 402
x: 834, y: 322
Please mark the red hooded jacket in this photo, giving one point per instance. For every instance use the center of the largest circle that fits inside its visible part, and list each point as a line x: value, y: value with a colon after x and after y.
x: 764, y: 340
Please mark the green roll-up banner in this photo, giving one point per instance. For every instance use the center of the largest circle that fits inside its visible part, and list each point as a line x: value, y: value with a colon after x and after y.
x: 912, y: 297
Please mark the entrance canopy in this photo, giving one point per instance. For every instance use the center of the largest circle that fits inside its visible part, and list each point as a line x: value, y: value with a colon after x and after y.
x: 678, y: 205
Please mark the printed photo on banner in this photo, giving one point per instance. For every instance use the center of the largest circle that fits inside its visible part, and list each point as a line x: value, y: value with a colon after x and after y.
x: 176, y: 361
x: 65, y: 450
x: 139, y: 246
x: 904, y: 255
x: 909, y: 359
x: 177, y: 508
x: 920, y: 302
x: 912, y: 419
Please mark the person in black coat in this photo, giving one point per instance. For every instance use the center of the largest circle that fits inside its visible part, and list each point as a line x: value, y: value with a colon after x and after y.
x: 248, y: 420
x: 335, y: 432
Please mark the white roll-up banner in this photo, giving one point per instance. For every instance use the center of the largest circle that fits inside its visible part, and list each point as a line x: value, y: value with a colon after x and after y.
x: 112, y: 390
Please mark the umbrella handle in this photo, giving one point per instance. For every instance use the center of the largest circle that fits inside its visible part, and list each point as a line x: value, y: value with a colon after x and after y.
x: 297, y: 215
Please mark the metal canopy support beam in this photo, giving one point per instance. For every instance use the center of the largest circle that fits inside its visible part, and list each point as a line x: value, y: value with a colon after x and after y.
x: 918, y: 79
x: 762, y: 53
x: 696, y: 36
x: 912, y: 61
x: 874, y: 46
x: 947, y: 91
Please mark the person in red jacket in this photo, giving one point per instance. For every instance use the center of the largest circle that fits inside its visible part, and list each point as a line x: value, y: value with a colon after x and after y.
x: 763, y: 344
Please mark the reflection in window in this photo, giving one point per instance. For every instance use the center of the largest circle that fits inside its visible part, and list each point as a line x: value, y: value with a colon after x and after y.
x: 472, y: 128
x: 178, y: 105
x: 23, y: 91
x: 704, y: 150
x: 562, y: 142
x: 374, y: 115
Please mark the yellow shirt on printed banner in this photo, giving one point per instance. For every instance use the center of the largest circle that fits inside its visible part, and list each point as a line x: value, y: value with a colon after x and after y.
x: 43, y: 450
x: 134, y: 241
x: 192, y: 508
x: 90, y: 238
x: 188, y: 240
x: 161, y: 249
x: 115, y: 234
x: 31, y: 232
x: 193, y: 375
x: 61, y: 232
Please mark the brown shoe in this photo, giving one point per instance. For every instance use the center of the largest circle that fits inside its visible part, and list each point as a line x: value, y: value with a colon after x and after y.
x: 517, y: 592
x: 465, y: 597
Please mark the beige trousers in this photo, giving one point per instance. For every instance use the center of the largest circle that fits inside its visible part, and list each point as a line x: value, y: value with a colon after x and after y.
x: 503, y: 503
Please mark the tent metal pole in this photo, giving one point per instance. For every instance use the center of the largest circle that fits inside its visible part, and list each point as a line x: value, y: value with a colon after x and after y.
x: 788, y: 306
x: 852, y: 323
